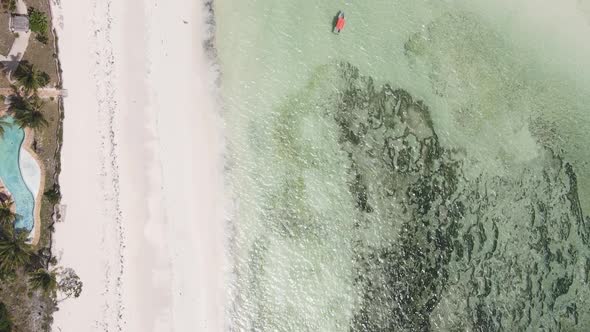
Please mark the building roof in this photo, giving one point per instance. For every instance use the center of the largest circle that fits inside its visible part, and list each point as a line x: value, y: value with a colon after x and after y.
x: 19, y: 23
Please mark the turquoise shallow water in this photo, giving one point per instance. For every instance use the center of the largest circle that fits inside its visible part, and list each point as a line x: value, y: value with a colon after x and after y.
x: 424, y: 170
x: 10, y: 174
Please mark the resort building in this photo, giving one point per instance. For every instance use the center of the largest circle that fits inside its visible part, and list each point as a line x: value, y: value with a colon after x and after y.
x: 19, y: 23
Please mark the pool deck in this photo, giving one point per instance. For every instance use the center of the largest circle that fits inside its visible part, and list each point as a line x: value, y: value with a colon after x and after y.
x: 43, y: 93
x: 27, y: 145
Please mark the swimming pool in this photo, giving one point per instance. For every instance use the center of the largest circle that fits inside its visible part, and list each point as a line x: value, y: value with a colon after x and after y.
x: 10, y: 174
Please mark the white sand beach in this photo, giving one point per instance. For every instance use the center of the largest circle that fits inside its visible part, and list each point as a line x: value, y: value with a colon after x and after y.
x: 141, y: 168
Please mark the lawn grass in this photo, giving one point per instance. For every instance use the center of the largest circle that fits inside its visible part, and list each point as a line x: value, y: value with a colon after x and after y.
x: 4, y: 83
x: 47, y: 141
x: 43, y: 56
x: 6, y: 36
x: 46, y: 145
x: 28, y: 310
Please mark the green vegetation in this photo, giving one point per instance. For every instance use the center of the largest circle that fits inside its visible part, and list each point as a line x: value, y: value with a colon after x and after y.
x: 42, y: 38
x: 69, y: 283
x: 29, y: 77
x: 50, y: 281
x: 6, y: 36
x: 38, y: 22
x: 3, y: 124
x: 7, y: 216
x: 15, y: 252
x: 27, y: 111
x: 5, y: 323
x: 53, y: 195
x: 26, y: 270
x: 9, y: 5
x: 31, y: 116
x: 44, y: 280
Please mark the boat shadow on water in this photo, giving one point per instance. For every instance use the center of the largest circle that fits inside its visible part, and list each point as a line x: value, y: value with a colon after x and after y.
x: 334, y: 21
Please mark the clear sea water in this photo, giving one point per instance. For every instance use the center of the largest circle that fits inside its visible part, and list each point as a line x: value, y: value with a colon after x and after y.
x: 426, y: 169
x: 10, y: 174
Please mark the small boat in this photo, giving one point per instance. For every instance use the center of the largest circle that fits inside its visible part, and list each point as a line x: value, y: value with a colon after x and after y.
x: 340, y: 22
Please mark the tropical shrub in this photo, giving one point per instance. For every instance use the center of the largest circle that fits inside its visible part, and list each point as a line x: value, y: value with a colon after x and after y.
x: 5, y: 323
x: 69, y: 283
x: 53, y: 195
x: 38, y: 21
x: 44, y: 280
x: 15, y: 252
x: 7, y: 216
x: 42, y: 38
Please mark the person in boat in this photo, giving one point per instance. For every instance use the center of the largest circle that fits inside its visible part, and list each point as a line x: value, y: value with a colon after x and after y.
x: 340, y: 22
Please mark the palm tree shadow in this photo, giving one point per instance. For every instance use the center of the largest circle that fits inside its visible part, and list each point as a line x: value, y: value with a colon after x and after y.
x: 8, y: 67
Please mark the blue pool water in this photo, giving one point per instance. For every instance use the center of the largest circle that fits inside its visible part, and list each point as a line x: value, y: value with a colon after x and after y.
x: 11, y: 175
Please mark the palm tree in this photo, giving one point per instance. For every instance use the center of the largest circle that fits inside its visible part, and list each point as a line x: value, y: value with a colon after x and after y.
x: 29, y: 77
x: 44, y: 280
x: 15, y: 252
x: 5, y: 323
x: 7, y: 216
x: 3, y: 125
x: 32, y: 119
x: 27, y: 111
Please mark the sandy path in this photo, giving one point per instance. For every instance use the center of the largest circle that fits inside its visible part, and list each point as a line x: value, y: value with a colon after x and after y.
x: 43, y: 92
x: 142, y: 166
